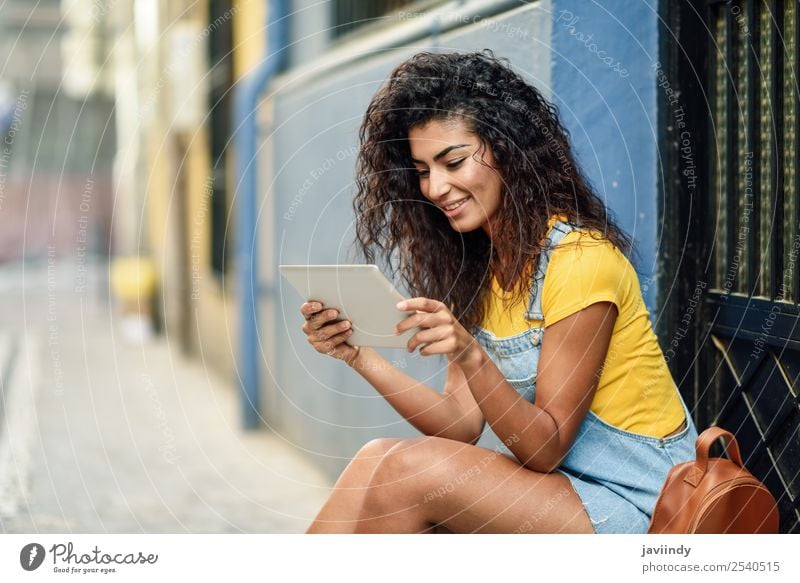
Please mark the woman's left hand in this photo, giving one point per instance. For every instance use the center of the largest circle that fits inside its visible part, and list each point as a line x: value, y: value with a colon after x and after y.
x: 441, y: 332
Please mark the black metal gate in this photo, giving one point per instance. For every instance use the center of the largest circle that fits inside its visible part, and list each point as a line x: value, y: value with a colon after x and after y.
x: 731, y: 326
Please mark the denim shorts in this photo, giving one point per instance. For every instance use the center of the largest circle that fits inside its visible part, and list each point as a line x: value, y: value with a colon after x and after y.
x: 616, y: 473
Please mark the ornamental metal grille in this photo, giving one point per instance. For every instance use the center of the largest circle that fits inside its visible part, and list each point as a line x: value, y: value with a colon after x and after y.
x: 751, y: 347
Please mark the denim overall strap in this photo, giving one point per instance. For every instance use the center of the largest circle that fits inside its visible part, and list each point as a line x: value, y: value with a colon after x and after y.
x: 556, y: 233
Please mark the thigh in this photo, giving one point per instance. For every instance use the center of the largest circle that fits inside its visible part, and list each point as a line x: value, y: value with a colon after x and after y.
x: 467, y: 488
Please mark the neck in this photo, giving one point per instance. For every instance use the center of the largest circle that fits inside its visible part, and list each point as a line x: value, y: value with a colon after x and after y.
x: 500, y: 270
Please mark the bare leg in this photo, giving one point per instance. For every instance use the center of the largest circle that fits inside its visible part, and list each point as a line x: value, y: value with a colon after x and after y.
x: 428, y: 481
x: 343, y: 507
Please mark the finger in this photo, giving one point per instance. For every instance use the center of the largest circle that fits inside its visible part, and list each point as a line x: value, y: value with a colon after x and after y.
x: 331, y: 330
x: 442, y: 347
x: 310, y: 308
x: 329, y: 345
x: 427, y: 337
x: 319, y: 319
x: 422, y: 304
x: 422, y: 320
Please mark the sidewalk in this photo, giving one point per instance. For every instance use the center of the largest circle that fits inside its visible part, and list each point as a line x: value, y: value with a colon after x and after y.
x: 100, y: 436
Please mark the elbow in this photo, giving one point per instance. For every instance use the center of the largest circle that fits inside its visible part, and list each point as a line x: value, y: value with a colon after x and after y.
x: 541, y: 466
x: 543, y: 460
x: 470, y: 430
x: 476, y: 434
x: 470, y: 437
x: 474, y: 440
x: 556, y: 459
x: 548, y: 455
x: 462, y: 434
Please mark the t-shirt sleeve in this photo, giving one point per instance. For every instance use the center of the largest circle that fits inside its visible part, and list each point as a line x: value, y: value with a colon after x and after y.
x: 581, y: 275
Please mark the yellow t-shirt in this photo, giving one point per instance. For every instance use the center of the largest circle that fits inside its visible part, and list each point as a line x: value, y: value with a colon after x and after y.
x: 636, y: 391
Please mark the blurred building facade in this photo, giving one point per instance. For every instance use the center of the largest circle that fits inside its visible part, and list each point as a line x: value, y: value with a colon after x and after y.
x: 56, y: 130
x: 619, y: 82
x: 176, y: 64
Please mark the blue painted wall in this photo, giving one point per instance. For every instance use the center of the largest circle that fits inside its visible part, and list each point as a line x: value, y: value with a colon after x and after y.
x: 604, y: 83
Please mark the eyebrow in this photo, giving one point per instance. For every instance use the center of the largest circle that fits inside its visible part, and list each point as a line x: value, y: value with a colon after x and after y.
x: 442, y: 153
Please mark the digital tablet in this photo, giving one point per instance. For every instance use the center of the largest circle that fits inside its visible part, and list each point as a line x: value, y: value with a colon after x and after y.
x: 361, y: 293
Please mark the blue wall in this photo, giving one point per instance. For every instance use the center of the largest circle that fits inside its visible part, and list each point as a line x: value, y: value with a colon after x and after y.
x: 604, y: 83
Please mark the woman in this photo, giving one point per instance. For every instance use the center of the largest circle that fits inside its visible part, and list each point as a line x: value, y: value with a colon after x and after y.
x: 466, y: 175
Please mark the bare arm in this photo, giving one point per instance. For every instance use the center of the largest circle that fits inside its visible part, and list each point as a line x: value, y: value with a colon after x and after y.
x: 570, y: 363
x: 453, y: 414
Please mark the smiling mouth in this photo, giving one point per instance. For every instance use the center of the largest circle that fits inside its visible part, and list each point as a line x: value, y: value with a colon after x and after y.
x: 455, y: 205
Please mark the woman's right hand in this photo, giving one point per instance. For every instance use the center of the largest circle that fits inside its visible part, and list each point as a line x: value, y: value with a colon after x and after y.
x: 326, y: 337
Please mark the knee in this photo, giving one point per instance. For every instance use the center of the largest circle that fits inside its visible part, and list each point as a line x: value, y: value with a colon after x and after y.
x: 406, y: 461
x: 403, y: 475
x: 375, y: 449
x: 389, y: 484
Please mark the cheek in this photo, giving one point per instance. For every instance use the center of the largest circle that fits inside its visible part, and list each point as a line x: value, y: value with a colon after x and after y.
x: 477, y: 179
x: 497, y: 191
x: 489, y: 186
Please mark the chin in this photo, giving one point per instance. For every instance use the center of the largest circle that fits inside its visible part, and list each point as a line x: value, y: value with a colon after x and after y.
x: 466, y: 226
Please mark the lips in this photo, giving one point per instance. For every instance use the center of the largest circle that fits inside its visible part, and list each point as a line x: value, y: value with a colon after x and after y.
x: 461, y: 204
x: 451, y: 203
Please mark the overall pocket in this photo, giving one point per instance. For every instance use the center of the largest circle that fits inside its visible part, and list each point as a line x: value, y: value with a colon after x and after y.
x: 517, y: 357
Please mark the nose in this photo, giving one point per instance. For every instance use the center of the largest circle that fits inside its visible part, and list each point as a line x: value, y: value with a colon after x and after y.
x: 438, y: 184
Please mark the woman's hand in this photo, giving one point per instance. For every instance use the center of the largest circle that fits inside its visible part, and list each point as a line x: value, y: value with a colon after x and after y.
x: 326, y: 337
x: 441, y: 332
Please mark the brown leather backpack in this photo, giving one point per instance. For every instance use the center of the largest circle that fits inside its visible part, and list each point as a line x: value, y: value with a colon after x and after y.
x: 714, y: 496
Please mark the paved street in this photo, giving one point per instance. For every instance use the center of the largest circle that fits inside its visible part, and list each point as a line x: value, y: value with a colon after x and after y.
x: 98, y: 435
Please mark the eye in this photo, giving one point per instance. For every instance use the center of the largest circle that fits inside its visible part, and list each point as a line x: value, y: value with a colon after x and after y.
x: 456, y: 164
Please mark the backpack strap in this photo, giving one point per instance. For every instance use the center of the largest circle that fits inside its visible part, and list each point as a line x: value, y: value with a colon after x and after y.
x: 703, y: 444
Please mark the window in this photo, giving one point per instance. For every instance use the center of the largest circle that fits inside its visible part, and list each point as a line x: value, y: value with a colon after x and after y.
x: 350, y: 15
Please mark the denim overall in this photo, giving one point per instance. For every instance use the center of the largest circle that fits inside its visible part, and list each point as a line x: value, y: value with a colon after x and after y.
x: 616, y: 473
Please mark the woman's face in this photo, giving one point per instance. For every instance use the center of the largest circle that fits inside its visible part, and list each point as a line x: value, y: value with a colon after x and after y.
x: 442, y: 153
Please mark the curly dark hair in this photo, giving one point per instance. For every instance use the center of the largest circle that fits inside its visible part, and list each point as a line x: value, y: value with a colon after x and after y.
x: 532, y: 154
